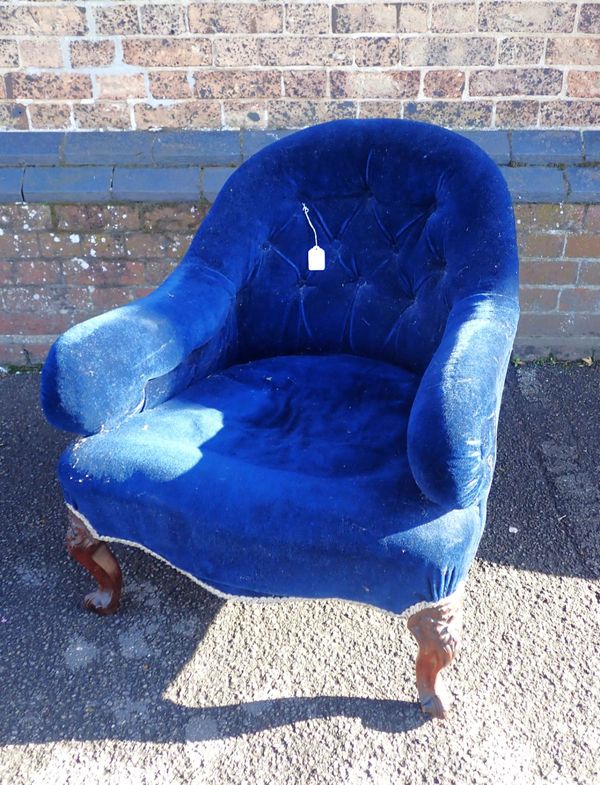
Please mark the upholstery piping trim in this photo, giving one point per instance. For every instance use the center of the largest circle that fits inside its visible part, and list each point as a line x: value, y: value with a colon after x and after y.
x: 456, y: 596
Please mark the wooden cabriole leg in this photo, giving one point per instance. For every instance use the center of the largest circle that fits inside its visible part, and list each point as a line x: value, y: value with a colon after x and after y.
x: 438, y: 631
x: 96, y: 557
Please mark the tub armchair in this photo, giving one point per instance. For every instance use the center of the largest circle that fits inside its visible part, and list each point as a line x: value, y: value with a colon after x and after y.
x: 274, y: 431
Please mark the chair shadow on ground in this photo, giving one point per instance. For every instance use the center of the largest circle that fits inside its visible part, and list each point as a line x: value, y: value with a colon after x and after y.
x: 67, y: 674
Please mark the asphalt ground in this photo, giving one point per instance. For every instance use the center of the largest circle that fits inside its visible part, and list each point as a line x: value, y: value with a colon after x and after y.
x: 181, y: 687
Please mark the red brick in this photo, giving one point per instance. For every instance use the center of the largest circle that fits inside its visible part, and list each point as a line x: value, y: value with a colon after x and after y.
x: 106, y: 298
x: 453, y: 17
x: 549, y: 217
x: 236, y: 51
x: 31, y: 298
x: 50, y: 116
x: 78, y: 298
x: 18, y: 246
x: 520, y: 50
x: 36, y: 272
x: 9, y: 53
x: 513, y: 81
x: 315, y: 50
x: 188, y: 114
x: 207, y: 18
x: 28, y: 323
x: 48, y: 86
x: 169, y: 52
x: 592, y: 218
x: 117, y: 20
x: 170, y: 84
x: 548, y: 273
x: 237, y: 84
x: 362, y: 18
x: 121, y: 86
x: 570, y: 113
x: 162, y: 20
x: 6, y: 273
x: 102, y: 246
x: 305, y: 84
x: 584, y: 84
x: 559, y: 324
x: 520, y: 17
x: 242, y: 113
x: 457, y: 114
x: 88, y: 217
x: 583, y: 246
x: 538, y: 300
x: 287, y: 113
x: 41, y: 53
x: 156, y: 272
x: 544, y: 245
x: 448, y: 50
x: 412, y: 17
x: 589, y: 18
x: 307, y: 19
x: 172, y: 218
x: 152, y: 246
x: 88, y: 54
x: 23, y: 351
x: 106, y: 115
x: 580, y: 300
x: 43, y: 20
x: 55, y: 245
x: 380, y: 109
x: 13, y: 117
x: 444, y: 84
x: 379, y: 51
x: 589, y: 274
x: 103, y: 273
x: 573, y: 51
x: 25, y: 217
x: 374, y: 84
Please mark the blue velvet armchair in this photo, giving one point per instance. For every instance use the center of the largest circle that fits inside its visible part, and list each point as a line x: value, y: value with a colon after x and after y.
x: 278, y: 432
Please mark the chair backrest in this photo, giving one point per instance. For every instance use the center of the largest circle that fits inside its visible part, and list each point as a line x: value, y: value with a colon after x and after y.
x: 411, y: 218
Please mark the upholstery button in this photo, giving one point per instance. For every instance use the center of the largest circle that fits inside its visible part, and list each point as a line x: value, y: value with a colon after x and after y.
x: 266, y: 245
x: 336, y: 244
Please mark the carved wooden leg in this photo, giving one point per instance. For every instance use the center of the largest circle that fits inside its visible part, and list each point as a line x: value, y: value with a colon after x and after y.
x: 100, y: 562
x: 438, y: 632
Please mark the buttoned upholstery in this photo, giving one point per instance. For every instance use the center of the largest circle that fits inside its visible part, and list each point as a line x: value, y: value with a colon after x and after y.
x: 243, y: 353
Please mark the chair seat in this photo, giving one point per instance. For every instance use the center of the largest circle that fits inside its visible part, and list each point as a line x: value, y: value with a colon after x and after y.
x: 286, y: 476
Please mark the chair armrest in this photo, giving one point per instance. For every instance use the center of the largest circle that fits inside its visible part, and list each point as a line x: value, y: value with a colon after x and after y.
x: 453, y: 420
x: 96, y: 373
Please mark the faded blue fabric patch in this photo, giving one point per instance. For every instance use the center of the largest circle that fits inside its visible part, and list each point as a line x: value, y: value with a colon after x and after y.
x: 282, y: 432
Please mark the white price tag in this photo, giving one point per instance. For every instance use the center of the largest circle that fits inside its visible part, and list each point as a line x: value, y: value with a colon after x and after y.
x: 316, y: 258
x: 316, y: 255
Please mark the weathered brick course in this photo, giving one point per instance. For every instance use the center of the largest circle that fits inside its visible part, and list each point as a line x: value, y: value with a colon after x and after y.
x: 129, y: 64
x: 62, y: 264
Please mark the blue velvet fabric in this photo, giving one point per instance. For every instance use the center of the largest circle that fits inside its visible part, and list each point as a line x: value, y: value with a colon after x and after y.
x: 279, y: 432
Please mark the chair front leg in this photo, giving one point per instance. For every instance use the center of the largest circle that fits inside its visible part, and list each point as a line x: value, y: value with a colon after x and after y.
x: 438, y: 631
x: 96, y: 557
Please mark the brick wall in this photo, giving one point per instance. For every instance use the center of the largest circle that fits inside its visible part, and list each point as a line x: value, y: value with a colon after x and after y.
x: 146, y: 65
x: 62, y: 262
